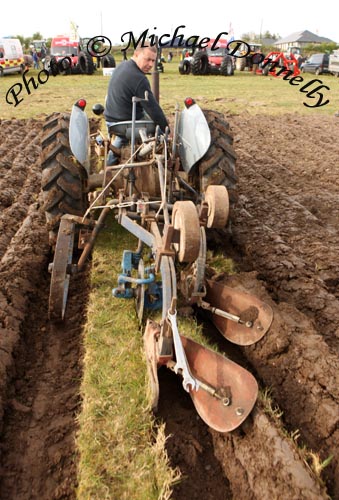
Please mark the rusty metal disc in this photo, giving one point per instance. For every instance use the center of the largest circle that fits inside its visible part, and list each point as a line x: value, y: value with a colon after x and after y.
x: 236, y: 386
x: 60, y: 275
x: 244, y: 305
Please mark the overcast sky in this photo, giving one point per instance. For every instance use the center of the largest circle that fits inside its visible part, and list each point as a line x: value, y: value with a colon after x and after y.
x: 112, y: 19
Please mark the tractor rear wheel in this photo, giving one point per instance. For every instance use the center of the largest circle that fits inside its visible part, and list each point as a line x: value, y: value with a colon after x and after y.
x: 217, y: 166
x: 226, y: 68
x: 184, y: 67
x: 85, y: 63
x: 108, y: 61
x: 240, y: 64
x: 63, y: 179
x: 200, y: 64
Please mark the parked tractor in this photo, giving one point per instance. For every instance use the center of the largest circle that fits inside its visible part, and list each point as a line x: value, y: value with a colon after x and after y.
x: 169, y: 191
x: 72, y: 56
x: 41, y: 48
x: 245, y: 55
x: 208, y: 61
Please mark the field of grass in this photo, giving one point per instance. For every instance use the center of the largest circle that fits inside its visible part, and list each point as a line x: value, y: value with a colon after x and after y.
x: 122, y: 453
x: 240, y: 93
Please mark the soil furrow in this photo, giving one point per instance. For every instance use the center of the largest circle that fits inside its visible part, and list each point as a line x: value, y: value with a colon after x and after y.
x: 295, y: 362
x: 249, y: 479
x: 295, y: 253
x: 284, y: 228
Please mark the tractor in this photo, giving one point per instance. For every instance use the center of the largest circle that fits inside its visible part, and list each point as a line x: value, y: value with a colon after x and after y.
x: 169, y: 190
x: 244, y: 57
x: 208, y: 61
x: 75, y: 56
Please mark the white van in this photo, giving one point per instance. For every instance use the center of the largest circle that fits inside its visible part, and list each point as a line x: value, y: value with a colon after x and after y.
x: 333, y: 65
x: 11, y: 56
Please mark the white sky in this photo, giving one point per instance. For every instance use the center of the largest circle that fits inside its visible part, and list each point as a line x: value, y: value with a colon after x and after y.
x: 208, y: 19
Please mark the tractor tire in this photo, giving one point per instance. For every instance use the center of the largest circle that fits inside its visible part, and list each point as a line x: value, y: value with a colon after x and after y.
x: 266, y: 70
x: 85, y: 63
x: 217, y: 166
x: 240, y: 65
x: 108, y: 61
x: 184, y: 67
x: 200, y: 64
x: 63, y: 179
x: 226, y: 68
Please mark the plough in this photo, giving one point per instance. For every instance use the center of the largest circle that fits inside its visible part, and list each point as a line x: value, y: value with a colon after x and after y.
x: 162, y: 196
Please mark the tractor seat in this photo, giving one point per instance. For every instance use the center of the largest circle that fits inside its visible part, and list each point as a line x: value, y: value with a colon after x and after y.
x: 125, y: 128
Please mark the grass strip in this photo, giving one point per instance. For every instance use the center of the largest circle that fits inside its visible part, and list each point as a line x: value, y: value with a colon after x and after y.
x: 122, y: 449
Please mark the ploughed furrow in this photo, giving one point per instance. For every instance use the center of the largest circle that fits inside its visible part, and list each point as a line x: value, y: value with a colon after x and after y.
x: 294, y: 247
x: 297, y: 154
x: 41, y: 367
x: 40, y: 364
x: 302, y: 267
x: 19, y: 174
x: 39, y: 458
x: 40, y: 372
x: 257, y: 461
x: 259, y: 437
x: 296, y: 363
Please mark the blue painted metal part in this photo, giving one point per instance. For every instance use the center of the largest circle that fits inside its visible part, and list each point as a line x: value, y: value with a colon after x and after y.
x: 130, y: 261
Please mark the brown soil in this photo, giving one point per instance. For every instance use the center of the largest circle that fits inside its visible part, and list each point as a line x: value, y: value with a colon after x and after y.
x: 40, y: 363
x: 285, y: 242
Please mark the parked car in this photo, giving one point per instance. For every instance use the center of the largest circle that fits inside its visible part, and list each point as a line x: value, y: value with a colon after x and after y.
x: 317, y: 63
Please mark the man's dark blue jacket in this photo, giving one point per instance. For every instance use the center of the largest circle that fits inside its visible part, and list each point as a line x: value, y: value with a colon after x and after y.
x: 127, y: 81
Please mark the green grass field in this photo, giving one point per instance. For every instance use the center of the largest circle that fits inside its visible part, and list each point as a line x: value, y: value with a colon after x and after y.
x: 242, y: 92
x: 122, y: 452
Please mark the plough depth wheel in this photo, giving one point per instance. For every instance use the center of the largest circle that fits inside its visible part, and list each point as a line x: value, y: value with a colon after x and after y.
x: 185, y: 218
x: 60, y: 274
x: 218, y: 203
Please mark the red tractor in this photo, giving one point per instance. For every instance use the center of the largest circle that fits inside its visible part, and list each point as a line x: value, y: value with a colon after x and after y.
x: 73, y: 57
x: 210, y: 60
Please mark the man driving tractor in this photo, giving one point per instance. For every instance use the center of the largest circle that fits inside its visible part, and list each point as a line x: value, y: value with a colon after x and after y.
x: 129, y: 80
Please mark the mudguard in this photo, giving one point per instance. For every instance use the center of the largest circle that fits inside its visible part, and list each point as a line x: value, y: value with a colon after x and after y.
x: 194, y: 136
x: 79, y: 136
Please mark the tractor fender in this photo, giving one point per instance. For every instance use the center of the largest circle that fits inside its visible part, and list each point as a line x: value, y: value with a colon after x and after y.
x: 79, y: 136
x: 194, y: 136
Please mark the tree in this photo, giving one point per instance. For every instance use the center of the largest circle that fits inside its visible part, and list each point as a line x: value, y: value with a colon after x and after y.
x: 313, y: 48
x: 247, y: 37
x: 268, y: 34
x: 37, y: 36
x: 255, y: 37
